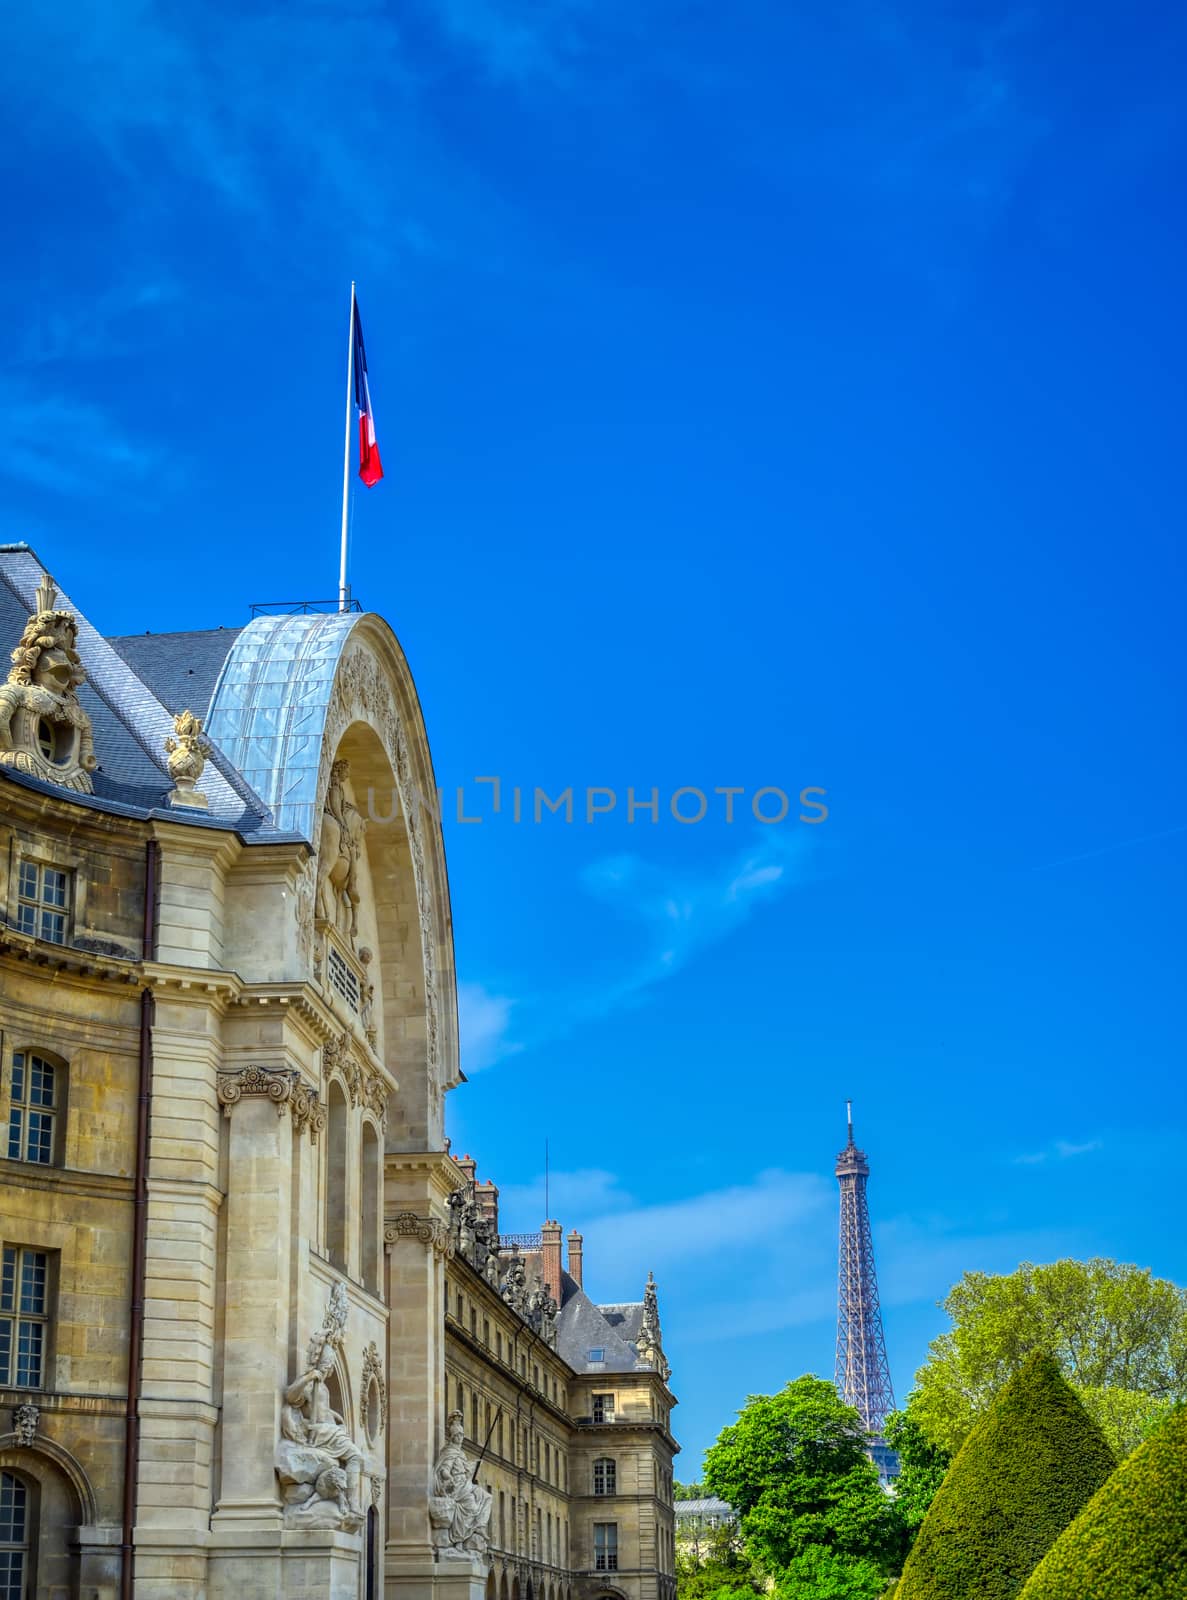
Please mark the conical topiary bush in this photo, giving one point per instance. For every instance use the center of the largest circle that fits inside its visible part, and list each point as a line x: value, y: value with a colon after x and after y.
x: 1130, y: 1540
x: 1026, y: 1470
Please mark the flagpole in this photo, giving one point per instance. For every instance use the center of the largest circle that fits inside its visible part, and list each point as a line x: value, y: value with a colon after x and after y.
x: 343, y: 588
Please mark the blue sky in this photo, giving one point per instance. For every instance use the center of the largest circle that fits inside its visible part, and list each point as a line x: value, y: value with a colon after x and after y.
x: 769, y: 396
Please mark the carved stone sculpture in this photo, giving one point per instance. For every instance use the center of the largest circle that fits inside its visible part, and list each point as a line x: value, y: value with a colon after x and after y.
x: 515, y: 1286
x: 318, y: 1463
x: 24, y: 1424
x: 338, y: 854
x: 459, y: 1508
x: 43, y: 729
x: 187, y: 756
x: 367, y: 1007
x: 649, y: 1344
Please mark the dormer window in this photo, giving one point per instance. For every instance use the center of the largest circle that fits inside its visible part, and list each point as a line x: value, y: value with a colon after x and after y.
x: 597, y: 1355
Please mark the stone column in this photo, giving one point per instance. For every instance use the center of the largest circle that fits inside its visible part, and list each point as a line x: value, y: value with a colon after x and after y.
x: 177, y: 1402
x: 416, y: 1234
x: 258, y: 1257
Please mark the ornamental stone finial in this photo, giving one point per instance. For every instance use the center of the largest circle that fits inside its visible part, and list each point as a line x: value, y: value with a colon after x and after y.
x: 44, y: 731
x: 187, y: 756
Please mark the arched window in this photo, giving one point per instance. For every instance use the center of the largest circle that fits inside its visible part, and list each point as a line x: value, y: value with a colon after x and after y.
x: 36, y: 1108
x: 336, y: 1122
x: 14, y: 1536
x: 369, y: 1251
x: 605, y: 1476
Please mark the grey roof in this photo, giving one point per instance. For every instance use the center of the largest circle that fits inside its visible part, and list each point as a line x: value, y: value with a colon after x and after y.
x: 181, y: 669
x: 706, y: 1507
x: 130, y: 723
x: 626, y: 1320
x: 582, y: 1326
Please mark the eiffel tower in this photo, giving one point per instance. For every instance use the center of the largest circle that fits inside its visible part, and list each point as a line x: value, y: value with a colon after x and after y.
x: 862, y: 1370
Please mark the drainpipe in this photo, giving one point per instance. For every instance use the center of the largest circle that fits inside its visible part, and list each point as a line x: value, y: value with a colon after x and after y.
x: 139, y: 1231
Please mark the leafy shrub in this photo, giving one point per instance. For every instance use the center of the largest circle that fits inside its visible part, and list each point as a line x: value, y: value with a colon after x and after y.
x: 1131, y: 1538
x: 1026, y: 1470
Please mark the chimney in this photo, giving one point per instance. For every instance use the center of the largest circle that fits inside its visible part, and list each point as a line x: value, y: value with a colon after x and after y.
x: 550, y: 1259
x: 575, y: 1243
x: 487, y: 1196
x: 468, y: 1165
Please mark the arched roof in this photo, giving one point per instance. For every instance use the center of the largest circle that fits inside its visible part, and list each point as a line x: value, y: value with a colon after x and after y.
x: 268, y: 710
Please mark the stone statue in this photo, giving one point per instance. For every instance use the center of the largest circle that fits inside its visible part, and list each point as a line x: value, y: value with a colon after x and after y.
x: 338, y: 854
x: 43, y: 729
x: 318, y: 1463
x: 515, y: 1285
x: 187, y: 756
x: 649, y: 1344
x: 367, y: 1007
x: 459, y: 1508
x: 548, y: 1322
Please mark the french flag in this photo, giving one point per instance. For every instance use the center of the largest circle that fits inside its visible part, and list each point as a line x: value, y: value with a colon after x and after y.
x: 370, y: 466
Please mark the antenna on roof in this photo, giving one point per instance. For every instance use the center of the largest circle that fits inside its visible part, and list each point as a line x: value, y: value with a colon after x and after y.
x: 547, y: 1212
x: 849, y: 1117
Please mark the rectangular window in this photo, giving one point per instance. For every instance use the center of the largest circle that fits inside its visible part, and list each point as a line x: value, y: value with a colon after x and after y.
x: 486, y: 1332
x: 499, y: 1346
x: 23, y: 1321
x: 597, y: 1355
x: 605, y: 1476
x: 33, y: 1109
x: 605, y: 1547
x: 603, y: 1407
x: 41, y: 901
x: 473, y: 1322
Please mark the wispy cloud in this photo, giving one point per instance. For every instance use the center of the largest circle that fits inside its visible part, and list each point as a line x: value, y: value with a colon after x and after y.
x: 518, y: 40
x: 578, y: 1195
x: 72, y: 327
x: 484, y: 1023
x: 67, y: 446
x: 1107, y: 849
x: 683, y: 912
x: 1057, y: 1150
x: 680, y: 913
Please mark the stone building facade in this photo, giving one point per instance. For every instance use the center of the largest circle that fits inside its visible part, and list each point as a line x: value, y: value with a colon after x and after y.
x: 233, y: 1236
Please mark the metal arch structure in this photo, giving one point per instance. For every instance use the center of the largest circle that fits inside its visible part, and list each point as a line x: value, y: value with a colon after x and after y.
x: 862, y: 1370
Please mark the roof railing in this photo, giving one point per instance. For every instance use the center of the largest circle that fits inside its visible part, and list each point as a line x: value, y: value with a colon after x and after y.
x: 299, y: 608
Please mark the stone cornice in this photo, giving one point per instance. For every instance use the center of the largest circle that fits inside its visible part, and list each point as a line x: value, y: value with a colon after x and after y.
x: 194, y: 985
x: 444, y: 1174
x: 26, y: 1175
x: 320, y: 1024
x: 63, y: 960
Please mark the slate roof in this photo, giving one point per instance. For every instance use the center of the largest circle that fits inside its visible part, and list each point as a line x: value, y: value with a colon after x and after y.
x: 130, y: 719
x: 181, y: 669
x: 583, y: 1326
x: 706, y: 1507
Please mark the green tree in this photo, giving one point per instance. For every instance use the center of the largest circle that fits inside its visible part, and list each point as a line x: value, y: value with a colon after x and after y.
x: 688, y: 1491
x: 810, y: 1507
x: 715, y: 1566
x: 1116, y: 1331
x: 922, y: 1466
x: 1026, y: 1470
x: 1131, y: 1538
